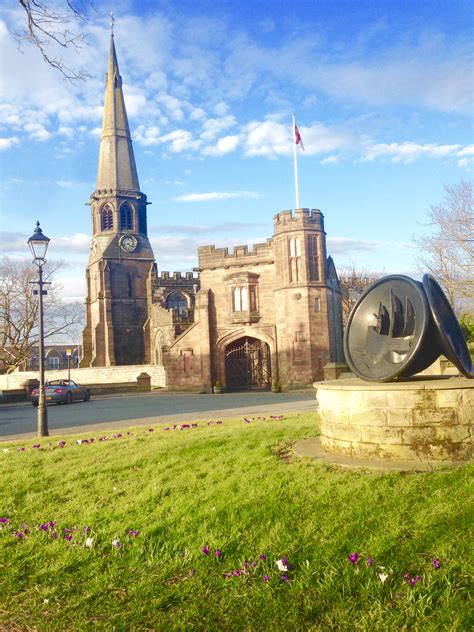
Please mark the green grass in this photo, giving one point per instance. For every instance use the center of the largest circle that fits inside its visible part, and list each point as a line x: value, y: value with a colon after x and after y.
x: 235, y: 488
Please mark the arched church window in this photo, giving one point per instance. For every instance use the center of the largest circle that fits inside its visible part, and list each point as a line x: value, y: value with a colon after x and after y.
x: 313, y: 263
x: 177, y: 301
x: 294, y: 256
x: 107, y: 218
x: 126, y: 217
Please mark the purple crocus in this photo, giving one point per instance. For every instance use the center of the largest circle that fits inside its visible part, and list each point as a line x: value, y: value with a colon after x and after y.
x: 43, y: 526
x: 4, y: 520
x: 36, y: 445
x: 414, y: 580
x: 284, y: 578
x: 61, y: 444
x: 436, y: 563
x: 205, y: 550
x: 370, y: 561
x: 262, y: 557
x: 21, y: 449
x: 54, y: 535
x: 133, y: 533
x: 353, y: 558
x: 218, y: 553
x: 68, y: 537
x: 19, y: 535
x: 266, y: 578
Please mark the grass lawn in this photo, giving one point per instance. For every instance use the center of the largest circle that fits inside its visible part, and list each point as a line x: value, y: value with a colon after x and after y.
x: 216, y: 507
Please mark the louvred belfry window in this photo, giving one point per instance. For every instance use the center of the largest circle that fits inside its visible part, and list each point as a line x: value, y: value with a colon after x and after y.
x: 126, y: 222
x: 107, y: 218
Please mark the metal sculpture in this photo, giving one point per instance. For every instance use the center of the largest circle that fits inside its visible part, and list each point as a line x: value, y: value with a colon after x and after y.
x: 399, y: 327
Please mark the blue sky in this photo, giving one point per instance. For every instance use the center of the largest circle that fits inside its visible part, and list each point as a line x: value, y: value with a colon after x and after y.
x: 382, y: 91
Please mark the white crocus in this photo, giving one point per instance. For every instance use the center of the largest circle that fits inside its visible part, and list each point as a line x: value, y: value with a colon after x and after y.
x: 89, y: 542
x: 383, y: 577
x: 281, y: 567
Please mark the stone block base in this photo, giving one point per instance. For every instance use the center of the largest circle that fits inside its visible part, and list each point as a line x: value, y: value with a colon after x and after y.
x: 417, y: 419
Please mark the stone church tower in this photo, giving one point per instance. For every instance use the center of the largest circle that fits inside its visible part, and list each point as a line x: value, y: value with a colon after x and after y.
x: 120, y: 254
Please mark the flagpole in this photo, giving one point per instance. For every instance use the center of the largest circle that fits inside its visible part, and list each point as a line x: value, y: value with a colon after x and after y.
x: 296, y: 164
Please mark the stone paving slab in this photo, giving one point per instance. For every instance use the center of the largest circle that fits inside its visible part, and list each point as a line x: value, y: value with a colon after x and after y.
x: 311, y: 447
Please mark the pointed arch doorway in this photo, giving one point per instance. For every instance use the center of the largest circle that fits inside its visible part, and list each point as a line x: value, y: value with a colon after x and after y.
x: 248, y: 364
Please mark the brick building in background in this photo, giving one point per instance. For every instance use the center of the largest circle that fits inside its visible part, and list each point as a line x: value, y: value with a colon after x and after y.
x: 248, y: 317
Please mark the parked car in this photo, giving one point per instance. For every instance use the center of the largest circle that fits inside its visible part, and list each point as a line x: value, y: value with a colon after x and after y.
x: 61, y: 392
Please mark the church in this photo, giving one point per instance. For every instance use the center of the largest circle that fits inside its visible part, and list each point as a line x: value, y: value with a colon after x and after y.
x: 246, y: 319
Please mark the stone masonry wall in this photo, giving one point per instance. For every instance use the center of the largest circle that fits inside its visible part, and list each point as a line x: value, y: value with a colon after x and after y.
x: 424, y: 420
x: 101, y: 375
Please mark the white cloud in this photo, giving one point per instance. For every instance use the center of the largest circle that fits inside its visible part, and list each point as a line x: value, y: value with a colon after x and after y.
x: 6, y: 143
x: 181, y: 140
x: 212, y: 127
x: 225, y: 145
x: 408, y: 151
x: 216, y: 195
x: 147, y: 135
x: 37, y: 132
x: 347, y: 244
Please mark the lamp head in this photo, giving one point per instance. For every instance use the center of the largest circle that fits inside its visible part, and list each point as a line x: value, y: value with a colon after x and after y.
x: 38, y: 244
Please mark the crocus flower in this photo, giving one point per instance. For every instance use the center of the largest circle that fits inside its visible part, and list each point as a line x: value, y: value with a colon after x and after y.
x: 89, y: 542
x: 266, y: 578
x: 36, y: 445
x: 262, y: 557
x: 68, y: 537
x: 21, y: 449
x: 370, y: 561
x: 52, y: 524
x: 6, y: 450
x: 436, y: 563
x: 133, y: 533
x: 284, y: 578
x: 353, y: 558
x: 86, y: 530
x: 61, y: 444
x: 414, y: 580
x: 281, y: 566
x: 4, y: 520
x: 44, y: 526
x: 218, y: 553
x: 383, y: 577
x: 54, y: 535
x: 205, y: 550
x: 19, y: 535
x: 116, y: 544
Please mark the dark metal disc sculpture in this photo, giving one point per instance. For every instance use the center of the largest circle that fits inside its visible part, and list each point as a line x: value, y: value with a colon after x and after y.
x: 399, y: 327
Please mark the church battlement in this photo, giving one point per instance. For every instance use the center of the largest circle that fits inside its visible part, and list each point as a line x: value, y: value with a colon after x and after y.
x: 210, y: 256
x: 176, y: 277
x: 302, y: 218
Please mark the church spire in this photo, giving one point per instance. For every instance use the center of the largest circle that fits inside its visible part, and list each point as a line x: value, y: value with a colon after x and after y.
x: 117, y: 169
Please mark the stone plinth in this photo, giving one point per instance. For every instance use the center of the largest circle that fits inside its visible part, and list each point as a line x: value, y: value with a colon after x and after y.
x: 417, y: 419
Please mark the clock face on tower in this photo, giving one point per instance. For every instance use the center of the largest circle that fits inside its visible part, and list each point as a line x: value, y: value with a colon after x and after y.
x: 128, y: 243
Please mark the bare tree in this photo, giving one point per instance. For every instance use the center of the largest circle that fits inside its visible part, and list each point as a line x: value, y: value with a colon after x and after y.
x: 353, y: 283
x: 47, y: 29
x: 19, y: 311
x: 448, y: 252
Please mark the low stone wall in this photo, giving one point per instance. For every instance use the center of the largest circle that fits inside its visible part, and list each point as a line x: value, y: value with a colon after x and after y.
x: 89, y: 375
x: 428, y: 420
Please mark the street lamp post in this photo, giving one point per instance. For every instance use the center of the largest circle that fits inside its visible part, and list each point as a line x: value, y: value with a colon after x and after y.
x: 38, y: 244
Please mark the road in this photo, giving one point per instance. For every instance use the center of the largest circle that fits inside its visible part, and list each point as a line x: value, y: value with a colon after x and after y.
x: 110, y: 412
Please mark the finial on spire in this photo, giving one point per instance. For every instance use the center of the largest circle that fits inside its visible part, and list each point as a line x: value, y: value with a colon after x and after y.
x: 112, y: 22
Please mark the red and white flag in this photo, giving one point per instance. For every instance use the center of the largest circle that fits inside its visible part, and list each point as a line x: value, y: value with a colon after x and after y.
x: 298, y: 139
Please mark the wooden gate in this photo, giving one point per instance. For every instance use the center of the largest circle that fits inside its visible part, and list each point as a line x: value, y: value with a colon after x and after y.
x: 248, y: 364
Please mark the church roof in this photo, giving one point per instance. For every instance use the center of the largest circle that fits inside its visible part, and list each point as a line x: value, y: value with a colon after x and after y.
x: 117, y: 169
